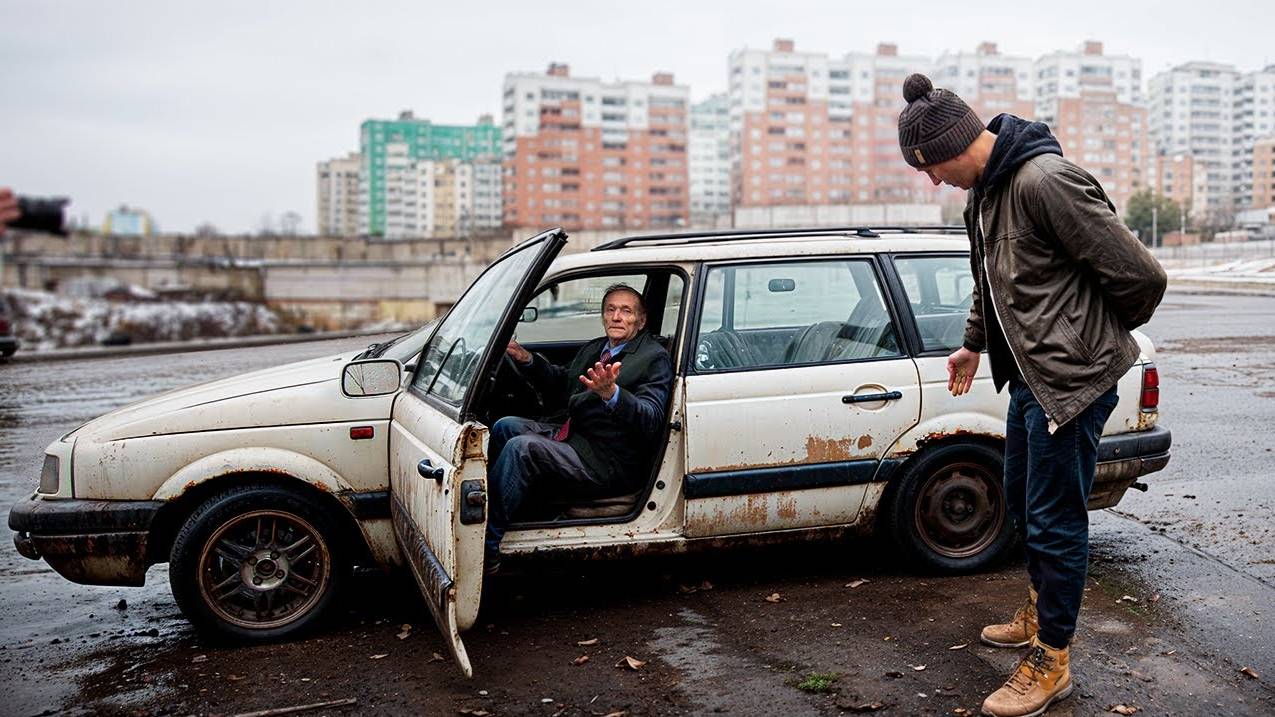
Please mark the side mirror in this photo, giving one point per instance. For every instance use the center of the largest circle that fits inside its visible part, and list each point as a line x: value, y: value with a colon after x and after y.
x: 778, y: 285
x: 377, y: 377
x: 529, y: 315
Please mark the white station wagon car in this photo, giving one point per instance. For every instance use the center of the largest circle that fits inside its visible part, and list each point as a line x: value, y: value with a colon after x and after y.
x: 809, y: 400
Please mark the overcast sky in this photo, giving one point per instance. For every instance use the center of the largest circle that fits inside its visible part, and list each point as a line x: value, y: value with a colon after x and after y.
x: 218, y: 111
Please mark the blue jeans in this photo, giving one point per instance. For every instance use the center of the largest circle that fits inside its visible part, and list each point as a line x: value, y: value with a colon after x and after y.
x: 524, y: 459
x: 1047, y: 484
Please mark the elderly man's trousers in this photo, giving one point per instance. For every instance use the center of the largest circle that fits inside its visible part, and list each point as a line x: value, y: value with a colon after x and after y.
x: 525, y: 460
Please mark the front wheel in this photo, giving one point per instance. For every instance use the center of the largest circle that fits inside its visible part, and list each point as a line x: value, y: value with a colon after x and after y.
x: 257, y: 563
x: 948, y: 510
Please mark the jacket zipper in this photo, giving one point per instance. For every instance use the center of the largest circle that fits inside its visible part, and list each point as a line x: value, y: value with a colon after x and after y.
x: 982, y: 237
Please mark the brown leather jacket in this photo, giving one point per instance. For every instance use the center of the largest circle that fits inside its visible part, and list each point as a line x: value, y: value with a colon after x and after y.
x: 1064, y: 278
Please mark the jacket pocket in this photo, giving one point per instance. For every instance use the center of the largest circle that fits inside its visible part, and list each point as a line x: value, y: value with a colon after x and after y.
x: 1073, y: 339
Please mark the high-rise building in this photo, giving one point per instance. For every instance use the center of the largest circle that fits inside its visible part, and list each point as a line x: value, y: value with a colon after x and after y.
x: 807, y: 129
x: 989, y: 82
x: 588, y: 154
x: 1175, y: 178
x: 442, y: 198
x: 709, y: 160
x: 338, y: 195
x: 1191, y: 112
x: 393, y: 151
x: 1093, y: 104
x: 1264, y: 173
x: 1253, y: 115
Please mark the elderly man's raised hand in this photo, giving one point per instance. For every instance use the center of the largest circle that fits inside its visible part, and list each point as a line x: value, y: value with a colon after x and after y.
x: 8, y: 207
x: 601, y: 379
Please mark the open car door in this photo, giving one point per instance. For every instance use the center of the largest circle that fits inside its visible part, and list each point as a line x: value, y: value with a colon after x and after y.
x: 438, y: 463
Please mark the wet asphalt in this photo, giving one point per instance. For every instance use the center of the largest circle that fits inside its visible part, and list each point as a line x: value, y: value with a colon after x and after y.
x: 1181, y: 596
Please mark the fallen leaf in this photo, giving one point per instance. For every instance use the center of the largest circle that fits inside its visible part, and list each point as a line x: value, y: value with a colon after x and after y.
x: 378, y: 657
x: 580, y: 660
x: 961, y: 646
x: 437, y: 658
x: 404, y: 634
x: 1249, y: 672
x: 961, y: 711
x: 587, y: 643
x: 617, y: 713
x: 234, y: 678
x: 1122, y: 709
x: 199, y: 658
x: 868, y: 707
x: 773, y: 597
x: 1127, y: 598
x: 836, y: 624
x: 917, y: 668
x: 632, y: 663
x: 856, y: 583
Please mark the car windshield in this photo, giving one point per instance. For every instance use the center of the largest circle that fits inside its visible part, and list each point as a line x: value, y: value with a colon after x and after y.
x: 452, y: 357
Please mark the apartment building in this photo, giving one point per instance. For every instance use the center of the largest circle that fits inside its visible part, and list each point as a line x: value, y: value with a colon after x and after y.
x: 989, y: 82
x: 1253, y: 115
x: 809, y: 129
x: 709, y: 160
x: 1263, y: 173
x: 1175, y: 177
x: 1191, y: 112
x: 588, y: 154
x: 401, y: 156
x: 337, y: 192
x: 1093, y: 103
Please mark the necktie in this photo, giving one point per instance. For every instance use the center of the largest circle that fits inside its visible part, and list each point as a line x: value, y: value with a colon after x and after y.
x: 565, y: 430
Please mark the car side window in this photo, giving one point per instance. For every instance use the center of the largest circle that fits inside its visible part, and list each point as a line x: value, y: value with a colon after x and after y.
x: 939, y: 290
x: 792, y: 313
x: 571, y: 310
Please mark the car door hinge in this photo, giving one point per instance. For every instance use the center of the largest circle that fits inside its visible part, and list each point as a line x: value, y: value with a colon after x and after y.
x: 473, y: 502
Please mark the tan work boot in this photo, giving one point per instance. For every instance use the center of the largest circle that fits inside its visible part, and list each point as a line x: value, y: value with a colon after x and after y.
x: 1042, y: 677
x: 1019, y: 631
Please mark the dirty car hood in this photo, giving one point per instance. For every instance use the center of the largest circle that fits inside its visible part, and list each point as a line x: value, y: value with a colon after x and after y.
x: 229, y: 402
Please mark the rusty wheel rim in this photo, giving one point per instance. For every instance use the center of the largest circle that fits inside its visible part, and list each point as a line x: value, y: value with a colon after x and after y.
x: 959, y: 510
x: 264, y: 569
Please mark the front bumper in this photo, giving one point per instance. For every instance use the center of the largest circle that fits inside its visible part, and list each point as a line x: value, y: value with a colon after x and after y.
x: 1125, y: 457
x: 92, y: 542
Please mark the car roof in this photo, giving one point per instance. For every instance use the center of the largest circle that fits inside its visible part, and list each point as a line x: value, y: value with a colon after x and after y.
x: 726, y: 246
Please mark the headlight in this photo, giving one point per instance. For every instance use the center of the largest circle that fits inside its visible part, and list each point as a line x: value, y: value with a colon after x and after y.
x: 49, y: 476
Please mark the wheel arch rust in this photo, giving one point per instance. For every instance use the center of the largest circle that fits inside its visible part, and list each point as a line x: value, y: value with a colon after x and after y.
x: 178, y: 508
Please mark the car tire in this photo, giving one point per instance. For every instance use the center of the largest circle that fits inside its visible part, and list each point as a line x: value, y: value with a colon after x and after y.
x: 947, y: 512
x: 258, y: 564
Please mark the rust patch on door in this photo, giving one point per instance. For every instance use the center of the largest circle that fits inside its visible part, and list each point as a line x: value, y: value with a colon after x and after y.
x: 826, y: 450
x: 786, y: 508
x: 864, y: 441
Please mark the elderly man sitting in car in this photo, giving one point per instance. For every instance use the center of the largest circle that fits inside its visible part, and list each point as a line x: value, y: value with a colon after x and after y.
x: 615, y: 391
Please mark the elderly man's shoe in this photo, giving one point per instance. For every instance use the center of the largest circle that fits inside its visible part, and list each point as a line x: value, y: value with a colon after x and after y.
x: 1042, y: 678
x: 1019, y: 631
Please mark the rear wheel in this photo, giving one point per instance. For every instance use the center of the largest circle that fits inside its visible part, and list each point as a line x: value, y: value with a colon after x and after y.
x: 257, y: 563
x: 948, y: 511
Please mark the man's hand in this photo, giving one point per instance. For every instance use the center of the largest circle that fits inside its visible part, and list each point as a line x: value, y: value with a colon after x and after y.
x: 517, y: 352
x: 8, y: 207
x: 601, y: 379
x: 961, y: 367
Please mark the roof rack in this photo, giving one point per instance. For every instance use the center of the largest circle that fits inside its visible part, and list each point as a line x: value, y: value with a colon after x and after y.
x: 727, y: 235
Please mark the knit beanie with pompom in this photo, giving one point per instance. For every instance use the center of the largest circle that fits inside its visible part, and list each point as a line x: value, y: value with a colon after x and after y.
x: 936, y: 125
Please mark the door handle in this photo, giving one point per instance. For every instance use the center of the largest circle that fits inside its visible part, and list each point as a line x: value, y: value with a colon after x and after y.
x: 873, y: 397
x: 427, y: 470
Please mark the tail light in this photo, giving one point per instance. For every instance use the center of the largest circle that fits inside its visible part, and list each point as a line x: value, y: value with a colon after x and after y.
x: 4, y: 326
x: 1150, y: 388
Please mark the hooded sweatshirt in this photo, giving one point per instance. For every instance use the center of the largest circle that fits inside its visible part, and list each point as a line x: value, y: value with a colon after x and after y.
x: 1017, y: 140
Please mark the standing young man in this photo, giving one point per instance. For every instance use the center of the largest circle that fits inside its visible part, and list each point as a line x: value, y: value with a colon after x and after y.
x: 1060, y: 282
